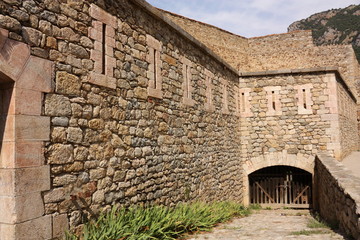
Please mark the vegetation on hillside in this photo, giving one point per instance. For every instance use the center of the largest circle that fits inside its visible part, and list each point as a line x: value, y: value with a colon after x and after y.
x: 336, y: 26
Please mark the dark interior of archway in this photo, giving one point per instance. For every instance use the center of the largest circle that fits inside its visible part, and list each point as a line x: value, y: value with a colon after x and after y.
x: 281, y: 185
x: 6, y: 92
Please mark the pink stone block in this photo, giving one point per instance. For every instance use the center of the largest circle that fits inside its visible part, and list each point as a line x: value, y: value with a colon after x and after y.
x: 110, y: 31
x: 98, y: 46
x: 39, y: 228
x: 37, y: 76
x: 95, y: 34
x: 7, y: 183
x: 188, y: 101
x: 109, y: 71
x: 156, y: 93
x: 97, y: 25
x: 29, y: 154
x: 7, y: 155
x: 35, y: 179
x: 27, y: 101
x: 60, y: 225
x: 13, y: 57
x: 109, y: 51
x: 110, y: 42
x: 14, y: 182
x: 32, y: 128
x: 7, y: 231
x: 96, y: 55
x: 21, y: 154
x: 4, y: 34
x: 102, y: 80
x: 17, y: 209
x: 101, y: 15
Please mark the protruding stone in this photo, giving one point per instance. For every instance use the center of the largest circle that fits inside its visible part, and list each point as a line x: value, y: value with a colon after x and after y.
x: 57, y: 105
x: 67, y: 83
x: 32, y: 36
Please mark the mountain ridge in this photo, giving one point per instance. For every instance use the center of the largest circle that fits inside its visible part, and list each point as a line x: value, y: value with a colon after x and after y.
x: 334, y: 26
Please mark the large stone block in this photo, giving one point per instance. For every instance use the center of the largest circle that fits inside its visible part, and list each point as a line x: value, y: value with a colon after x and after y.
x: 60, y: 225
x: 32, y: 127
x: 37, y: 75
x: 21, y: 154
x: 36, y: 229
x: 13, y: 57
x: 67, y: 83
x: 14, y: 182
x: 21, y: 208
x: 57, y: 105
x: 27, y: 102
x: 25, y: 127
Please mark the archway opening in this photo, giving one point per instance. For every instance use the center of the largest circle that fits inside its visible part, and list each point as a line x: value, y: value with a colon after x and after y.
x: 281, y: 186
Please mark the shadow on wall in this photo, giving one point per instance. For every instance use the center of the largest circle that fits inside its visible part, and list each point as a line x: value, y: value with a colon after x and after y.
x: 6, y: 92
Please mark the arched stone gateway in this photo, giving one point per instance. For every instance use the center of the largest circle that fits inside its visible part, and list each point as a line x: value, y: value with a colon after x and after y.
x: 23, y: 172
x: 299, y: 161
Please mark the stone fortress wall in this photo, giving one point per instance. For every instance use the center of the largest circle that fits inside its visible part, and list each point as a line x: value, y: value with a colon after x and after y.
x: 231, y: 47
x: 294, y: 50
x: 139, y: 110
x: 287, y: 53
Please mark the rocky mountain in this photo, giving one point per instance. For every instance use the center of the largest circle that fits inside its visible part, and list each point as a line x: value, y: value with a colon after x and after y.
x: 335, y: 26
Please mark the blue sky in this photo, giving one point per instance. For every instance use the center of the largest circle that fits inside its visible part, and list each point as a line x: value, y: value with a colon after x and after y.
x: 250, y: 18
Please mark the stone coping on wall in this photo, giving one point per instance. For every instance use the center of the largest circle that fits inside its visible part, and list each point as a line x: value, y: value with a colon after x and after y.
x: 335, y: 70
x: 203, y: 23
x: 159, y: 15
x: 349, y: 188
x: 344, y: 177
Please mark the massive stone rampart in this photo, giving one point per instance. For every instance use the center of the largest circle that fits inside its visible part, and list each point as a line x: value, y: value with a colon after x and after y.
x: 136, y: 110
x: 141, y: 112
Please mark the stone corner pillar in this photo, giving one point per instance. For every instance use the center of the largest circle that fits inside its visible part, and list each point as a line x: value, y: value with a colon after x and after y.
x: 23, y: 173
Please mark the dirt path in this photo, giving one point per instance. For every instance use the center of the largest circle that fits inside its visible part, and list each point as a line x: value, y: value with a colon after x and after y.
x: 270, y: 224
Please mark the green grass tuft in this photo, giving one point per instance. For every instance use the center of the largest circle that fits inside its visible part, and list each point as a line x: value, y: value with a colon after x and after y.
x: 308, y: 232
x: 159, y: 222
x: 313, y: 223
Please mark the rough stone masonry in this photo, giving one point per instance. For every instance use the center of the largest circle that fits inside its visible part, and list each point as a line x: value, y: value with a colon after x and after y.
x: 109, y: 103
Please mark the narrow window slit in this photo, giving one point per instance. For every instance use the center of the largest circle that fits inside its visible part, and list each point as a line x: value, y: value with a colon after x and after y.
x: 103, y: 47
x: 242, y: 107
x: 304, y: 95
x: 155, y: 62
x: 273, y: 99
x: 187, y: 77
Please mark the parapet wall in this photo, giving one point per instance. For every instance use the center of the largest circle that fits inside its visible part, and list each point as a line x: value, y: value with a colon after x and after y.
x: 337, y: 195
x: 232, y: 48
x: 295, y: 50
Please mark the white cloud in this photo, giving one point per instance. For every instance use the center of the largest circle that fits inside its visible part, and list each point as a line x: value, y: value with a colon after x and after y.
x: 250, y: 18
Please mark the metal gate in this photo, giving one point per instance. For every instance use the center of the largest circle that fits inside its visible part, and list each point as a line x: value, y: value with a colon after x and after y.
x: 281, y: 186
